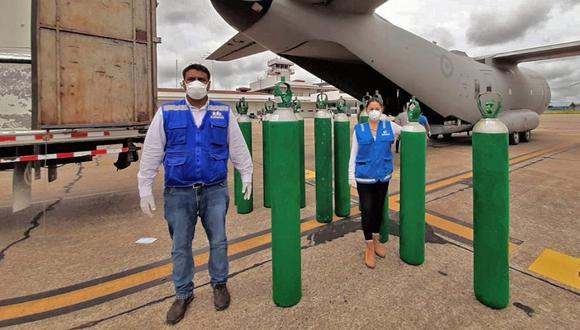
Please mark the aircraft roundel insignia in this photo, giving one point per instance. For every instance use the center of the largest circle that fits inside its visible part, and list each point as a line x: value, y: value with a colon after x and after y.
x: 446, y: 66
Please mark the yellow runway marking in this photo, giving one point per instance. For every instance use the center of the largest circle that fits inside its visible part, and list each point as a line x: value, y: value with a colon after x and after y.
x: 82, y: 295
x: 72, y: 298
x: 468, y: 175
x: 457, y: 229
x: 113, y: 286
x: 558, y: 267
x: 438, y: 222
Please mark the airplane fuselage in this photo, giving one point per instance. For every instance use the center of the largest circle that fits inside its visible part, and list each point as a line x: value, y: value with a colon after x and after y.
x: 362, y: 53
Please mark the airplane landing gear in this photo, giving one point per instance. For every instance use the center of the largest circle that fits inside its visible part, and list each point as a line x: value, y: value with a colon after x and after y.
x: 514, y: 138
x: 526, y: 136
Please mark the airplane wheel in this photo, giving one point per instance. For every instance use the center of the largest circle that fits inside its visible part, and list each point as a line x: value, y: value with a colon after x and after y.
x: 447, y: 136
x: 514, y: 138
x: 434, y: 136
x: 526, y: 136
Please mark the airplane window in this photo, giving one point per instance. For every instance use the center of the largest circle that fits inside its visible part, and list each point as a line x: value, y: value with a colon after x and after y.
x: 488, y: 88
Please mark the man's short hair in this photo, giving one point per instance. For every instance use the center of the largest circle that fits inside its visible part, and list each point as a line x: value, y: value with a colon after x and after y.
x: 197, y: 67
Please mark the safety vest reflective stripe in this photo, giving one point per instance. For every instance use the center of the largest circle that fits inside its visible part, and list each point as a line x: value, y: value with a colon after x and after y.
x: 363, y: 180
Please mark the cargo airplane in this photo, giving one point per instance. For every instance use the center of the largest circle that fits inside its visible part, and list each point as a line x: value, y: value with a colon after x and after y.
x: 345, y: 43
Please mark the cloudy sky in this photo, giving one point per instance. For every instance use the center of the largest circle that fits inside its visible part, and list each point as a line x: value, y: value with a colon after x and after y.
x: 191, y: 30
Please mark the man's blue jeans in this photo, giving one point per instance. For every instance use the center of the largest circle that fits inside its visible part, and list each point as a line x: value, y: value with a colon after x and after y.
x: 182, y: 207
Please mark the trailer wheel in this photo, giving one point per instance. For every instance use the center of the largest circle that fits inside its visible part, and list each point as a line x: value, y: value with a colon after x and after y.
x: 526, y: 136
x: 514, y: 138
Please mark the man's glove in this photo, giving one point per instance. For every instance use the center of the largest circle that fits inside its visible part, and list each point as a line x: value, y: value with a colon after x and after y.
x: 247, y: 190
x: 352, y: 182
x: 148, y: 205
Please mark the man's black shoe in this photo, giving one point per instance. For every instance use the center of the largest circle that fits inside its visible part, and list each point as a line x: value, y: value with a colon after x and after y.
x: 221, y: 297
x: 177, y: 310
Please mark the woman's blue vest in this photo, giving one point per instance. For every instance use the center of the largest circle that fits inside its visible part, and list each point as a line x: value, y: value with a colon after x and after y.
x: 374, y: 160
x: 195, y: 155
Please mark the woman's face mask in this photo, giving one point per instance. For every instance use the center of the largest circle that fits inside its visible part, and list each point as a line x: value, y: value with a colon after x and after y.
x: 374, y: 110
x: 374, y: 113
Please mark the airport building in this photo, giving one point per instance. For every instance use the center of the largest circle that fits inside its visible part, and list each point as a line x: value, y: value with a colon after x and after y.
x: 261, y: 90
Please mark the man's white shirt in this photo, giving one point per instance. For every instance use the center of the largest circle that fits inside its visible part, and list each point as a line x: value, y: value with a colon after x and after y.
x: 154, y: 149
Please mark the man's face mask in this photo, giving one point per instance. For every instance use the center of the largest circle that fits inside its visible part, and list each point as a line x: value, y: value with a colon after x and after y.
x: 196, y: 90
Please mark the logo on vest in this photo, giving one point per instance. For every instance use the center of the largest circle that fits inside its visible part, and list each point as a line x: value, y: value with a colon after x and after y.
x: 217, y: 115
x: 385, y: 133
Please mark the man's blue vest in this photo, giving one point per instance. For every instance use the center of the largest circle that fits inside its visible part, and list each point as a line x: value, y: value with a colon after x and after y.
x: 195, y: 155
x: 374, y: 160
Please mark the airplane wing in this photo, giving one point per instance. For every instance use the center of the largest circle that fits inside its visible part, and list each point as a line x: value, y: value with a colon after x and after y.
x: 237, y: 47
x: 534, y: 54
x: 347, y: 6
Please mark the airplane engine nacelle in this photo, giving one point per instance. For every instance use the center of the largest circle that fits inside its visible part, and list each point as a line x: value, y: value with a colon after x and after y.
x: 520, y: 120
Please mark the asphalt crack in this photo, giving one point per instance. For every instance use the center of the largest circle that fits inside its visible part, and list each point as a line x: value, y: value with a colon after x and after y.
x: 35, y: 222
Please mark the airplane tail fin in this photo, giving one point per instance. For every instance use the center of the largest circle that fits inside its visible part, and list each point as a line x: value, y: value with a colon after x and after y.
x: 237, y: 47
x: 533, y: 54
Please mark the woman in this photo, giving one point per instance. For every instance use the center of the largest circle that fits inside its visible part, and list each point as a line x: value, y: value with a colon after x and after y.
x: 370, y: 168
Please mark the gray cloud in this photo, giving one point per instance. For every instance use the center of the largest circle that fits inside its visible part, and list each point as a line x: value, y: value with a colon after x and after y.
x: 441, y: 35
x: 561, y: 75
x: 501, y: 24
x: 191, y: 29
x: 492, y: 26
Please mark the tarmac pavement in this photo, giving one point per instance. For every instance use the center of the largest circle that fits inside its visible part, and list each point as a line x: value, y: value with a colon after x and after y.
x: 75, y: 247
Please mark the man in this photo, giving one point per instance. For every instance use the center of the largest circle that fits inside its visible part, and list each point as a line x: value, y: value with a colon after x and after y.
x: 423, y: 121
x: 194, y: 138
x: 401, y: 119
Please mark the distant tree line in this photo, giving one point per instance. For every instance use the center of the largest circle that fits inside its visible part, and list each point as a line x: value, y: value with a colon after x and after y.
x: 572, y: 106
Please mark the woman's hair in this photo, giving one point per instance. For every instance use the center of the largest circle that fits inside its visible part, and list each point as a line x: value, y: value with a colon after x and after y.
x: 374, y: 99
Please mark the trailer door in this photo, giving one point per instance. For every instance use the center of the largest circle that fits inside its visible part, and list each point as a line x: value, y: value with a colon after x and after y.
x: 94, y: 63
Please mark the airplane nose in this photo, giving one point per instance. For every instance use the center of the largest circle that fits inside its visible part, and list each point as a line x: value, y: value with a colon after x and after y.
x: 241, y: 14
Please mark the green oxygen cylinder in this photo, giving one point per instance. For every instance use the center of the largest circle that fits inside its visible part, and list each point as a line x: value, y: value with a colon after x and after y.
x: 285, y: 191
x: 243, y: 206
x: 363, y: 116
x: 268, y: 108
x: 341, y: 158
x: 413, y: 168
x: 384, y: 229
x: 491, y: 206
x: 302, y: 172
x: 323, y: 159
